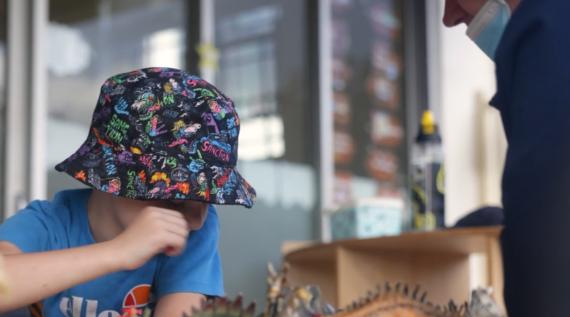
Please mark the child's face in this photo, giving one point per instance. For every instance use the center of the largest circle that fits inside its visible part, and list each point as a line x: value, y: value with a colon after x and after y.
x: 195, y: 212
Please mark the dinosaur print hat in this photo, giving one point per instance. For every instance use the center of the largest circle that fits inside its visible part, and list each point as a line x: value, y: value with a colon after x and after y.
x: 162, y: 134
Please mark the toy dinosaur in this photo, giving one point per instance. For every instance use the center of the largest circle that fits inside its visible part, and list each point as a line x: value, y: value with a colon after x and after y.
x: 275, y: 283
x: 386, y: 301
x: 398, y: 300
x: 482, y: 304
x: 221, y: 307
x: 305, y: 302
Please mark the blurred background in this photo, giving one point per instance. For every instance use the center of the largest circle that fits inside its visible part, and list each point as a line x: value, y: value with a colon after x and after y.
x: 329, y: 93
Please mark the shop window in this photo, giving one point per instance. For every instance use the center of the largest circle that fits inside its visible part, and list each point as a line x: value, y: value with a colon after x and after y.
x: 91, y: 40
x: 370, y: 156
x: 264, y: 66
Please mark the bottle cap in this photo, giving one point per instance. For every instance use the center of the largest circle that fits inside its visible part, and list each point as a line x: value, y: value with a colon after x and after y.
x: 428, y: 129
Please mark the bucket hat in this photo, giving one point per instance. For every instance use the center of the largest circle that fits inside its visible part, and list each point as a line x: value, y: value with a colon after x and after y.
x: 162, y: 134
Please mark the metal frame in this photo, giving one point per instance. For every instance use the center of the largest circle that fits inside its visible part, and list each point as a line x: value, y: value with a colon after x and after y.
x: 433, y: 26
x: 39, y: 100
x: 417, y: 92
x: 17, y: 107
x: 415, y: 43
x: 3, y: 130
x: 192, y: 28
x: 26, y: 104
x: 326, y: 166
x: 207, y: 34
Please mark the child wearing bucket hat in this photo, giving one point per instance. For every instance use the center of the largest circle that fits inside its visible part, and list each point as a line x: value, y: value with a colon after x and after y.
x: 161, y: 149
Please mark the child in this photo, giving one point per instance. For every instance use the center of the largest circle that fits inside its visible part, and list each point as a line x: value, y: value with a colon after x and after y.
x: 161, y: 148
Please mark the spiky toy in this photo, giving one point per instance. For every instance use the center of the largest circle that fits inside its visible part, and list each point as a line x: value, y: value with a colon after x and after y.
x: 398, y: 300
x: 221, y: 307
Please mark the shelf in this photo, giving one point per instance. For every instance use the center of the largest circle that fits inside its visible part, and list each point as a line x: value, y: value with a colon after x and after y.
x: 442, y: 262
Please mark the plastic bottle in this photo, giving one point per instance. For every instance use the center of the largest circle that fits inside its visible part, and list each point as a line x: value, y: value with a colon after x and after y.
x: 427, y: 173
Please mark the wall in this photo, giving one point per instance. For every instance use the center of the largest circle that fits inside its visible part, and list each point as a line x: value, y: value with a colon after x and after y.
x: 474, y: 142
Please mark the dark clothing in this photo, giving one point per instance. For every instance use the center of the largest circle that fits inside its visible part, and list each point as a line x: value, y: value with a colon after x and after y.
x: 533, y: 84
x: 481, y: 217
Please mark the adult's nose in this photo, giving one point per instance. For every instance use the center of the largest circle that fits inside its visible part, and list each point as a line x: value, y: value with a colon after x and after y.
x: 453, y: 13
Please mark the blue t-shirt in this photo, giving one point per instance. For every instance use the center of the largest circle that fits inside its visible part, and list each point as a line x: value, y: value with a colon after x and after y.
x: 63, y: 223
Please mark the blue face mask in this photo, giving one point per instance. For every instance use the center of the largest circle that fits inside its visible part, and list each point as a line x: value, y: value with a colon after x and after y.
x: 486, y: 28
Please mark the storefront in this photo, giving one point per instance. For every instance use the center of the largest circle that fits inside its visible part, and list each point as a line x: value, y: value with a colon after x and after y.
x: 328, y: 94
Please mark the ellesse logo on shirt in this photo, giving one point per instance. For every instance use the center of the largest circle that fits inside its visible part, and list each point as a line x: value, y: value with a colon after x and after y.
x: 136, y: 298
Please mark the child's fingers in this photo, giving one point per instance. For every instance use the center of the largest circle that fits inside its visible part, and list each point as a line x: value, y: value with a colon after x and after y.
x: 177, y: 229
x: 178, y: 222
x: 173, y: 250
x: 170, y: 251
x: 157, y: 212
x: 160, y: 215
x: 170, y: 213
x: 174, y: 217
x: 175, y: 246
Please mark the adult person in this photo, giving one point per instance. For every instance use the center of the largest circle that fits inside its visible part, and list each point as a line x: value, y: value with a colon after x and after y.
x: 533, y: 71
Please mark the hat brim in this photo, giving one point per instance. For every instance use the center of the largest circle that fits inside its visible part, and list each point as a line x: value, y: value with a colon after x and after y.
x: 101, y: 167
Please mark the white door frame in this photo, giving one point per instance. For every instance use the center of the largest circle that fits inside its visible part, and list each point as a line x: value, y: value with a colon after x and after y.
x: 26, y: 104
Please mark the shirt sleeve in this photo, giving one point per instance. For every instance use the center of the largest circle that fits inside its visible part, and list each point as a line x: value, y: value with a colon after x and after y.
x: 27, y: 229
x: 198, y: 268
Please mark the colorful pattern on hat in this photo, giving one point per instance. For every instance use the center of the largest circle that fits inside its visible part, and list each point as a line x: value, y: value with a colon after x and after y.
x: 161, y: 133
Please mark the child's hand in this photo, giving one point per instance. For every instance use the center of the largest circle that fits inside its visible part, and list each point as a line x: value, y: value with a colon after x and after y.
x: 155, y: 230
